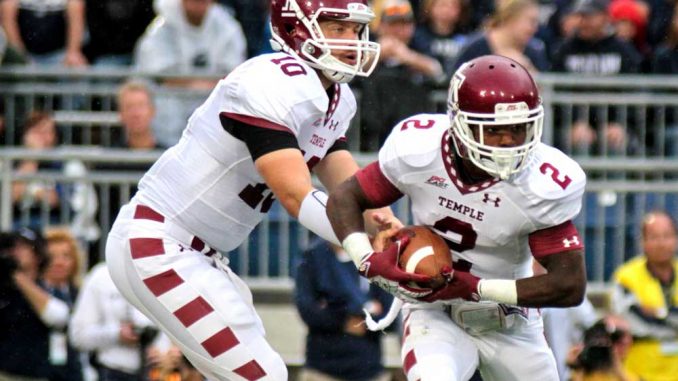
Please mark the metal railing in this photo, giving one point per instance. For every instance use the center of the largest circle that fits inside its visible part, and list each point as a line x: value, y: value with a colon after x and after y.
x: 646, y: 106
x: 623, y: 183
x: 609, y: 221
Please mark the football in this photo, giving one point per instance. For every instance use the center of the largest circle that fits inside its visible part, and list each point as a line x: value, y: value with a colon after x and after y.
x: 427, y: 254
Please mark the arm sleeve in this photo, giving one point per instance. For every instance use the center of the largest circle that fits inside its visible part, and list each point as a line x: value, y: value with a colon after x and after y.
x: 259, y: 140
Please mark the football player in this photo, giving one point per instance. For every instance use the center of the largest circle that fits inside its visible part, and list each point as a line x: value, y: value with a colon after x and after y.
x: 480, y: 177
x: 254, y: 140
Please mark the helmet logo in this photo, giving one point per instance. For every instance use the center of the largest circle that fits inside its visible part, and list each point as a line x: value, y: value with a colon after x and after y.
x: 507, y: 111
x: 357, y: 7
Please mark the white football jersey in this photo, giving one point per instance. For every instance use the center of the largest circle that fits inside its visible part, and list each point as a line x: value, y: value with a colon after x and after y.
x: 486, y: 225
x: 207, y: 183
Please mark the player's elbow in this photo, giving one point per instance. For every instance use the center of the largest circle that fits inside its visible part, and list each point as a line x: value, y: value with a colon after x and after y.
x: 572, y: 291
x: 291, y: 203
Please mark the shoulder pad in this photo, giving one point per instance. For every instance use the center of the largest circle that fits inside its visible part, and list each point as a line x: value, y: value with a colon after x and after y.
x: 552, y: 175
x: 281, y: 79
x: 416, y: 141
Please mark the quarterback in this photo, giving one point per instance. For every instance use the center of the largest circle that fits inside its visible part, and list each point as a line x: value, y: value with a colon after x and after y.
x: 256, y: 138
x: 480, y: 177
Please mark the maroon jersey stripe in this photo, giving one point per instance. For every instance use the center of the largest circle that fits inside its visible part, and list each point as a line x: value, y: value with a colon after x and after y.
x: 254, y: 121
x: 556, y: 239
x: 146, y: 247
x: 143, y: 212
x: 163, y: 282
x: 220, y: 342
x: 193, y: 311
x: 410, y: 361
x: 377, y: 188
x: 251, y: 371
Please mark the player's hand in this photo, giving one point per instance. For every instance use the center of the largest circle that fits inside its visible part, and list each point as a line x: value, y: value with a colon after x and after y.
x: 388, y: 226
x: 459, y: 284
x: 381, y: 268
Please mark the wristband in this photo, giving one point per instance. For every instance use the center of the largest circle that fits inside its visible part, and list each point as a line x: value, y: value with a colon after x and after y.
x: 498, y: 290
x: 357, y: 246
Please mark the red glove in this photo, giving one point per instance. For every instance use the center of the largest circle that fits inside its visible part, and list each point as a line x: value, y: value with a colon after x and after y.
x: 382, y: 269
x: 460, y: 284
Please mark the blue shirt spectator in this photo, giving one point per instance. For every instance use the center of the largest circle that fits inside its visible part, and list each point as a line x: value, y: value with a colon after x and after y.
x: 330, y: 296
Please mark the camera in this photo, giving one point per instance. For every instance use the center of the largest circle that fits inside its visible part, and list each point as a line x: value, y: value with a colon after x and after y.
x: 146, y: 334
x: 597, y: 354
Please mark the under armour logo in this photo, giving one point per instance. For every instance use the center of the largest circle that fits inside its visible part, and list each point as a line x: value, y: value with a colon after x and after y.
x: 570, y: 242
x: 495, y: 200
x: 332, y: 125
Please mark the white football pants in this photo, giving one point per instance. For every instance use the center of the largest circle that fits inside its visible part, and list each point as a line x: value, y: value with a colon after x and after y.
x: 437, y: 349
x: 207, y: 311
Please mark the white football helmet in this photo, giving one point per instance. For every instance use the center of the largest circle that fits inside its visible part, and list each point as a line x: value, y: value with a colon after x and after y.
x: 295, y: 30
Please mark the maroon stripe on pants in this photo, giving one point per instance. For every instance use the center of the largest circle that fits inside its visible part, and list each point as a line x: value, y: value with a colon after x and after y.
x: 146, y: 247
x: 410, y: 361
x: 193, y: 311
x: 251, y: 371
x: 143, y: 212
x: 163, y: 282
x: 220, y: 342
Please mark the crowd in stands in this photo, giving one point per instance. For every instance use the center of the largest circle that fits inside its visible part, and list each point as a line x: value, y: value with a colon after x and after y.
x: 62, y: 328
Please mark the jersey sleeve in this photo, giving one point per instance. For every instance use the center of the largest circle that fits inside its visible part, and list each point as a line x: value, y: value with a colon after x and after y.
x: 413, y: 143
x: 556, y: 185
x: 263, y: 94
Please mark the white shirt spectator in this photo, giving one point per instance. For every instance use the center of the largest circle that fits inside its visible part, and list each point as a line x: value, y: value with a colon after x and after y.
x: 97, y: 317
x: 171, y: 43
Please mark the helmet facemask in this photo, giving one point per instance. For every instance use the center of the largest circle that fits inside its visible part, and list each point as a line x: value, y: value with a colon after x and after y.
x: 501, y: 162
x: 316, y: 49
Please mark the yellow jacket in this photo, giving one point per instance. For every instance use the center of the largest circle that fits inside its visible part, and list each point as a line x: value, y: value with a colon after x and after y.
x: 650, y: 358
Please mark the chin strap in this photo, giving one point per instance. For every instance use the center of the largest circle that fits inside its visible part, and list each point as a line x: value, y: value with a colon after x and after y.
x: 392, y: 314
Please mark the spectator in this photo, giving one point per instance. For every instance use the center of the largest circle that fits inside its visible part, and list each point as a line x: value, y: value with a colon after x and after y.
x: 114, y: 26
x: 27, y: 311
x: 510, y: 33
x: 665, y: 60
x: 330, y: 296
x: 61, y: 279
x: 188, y: 35
x: 602, y: 353
x: 171, y: 365
x: 49, y: 32
x: 647, y: 297
x: 442, y: 31
x: 37, y: 200
x: 401, y: 72
x: 561, y: 25
x: 116, y: 333
x: 254, y: 18
x: 136, y: 106
x: 595, y: 50
x: 659, y: 20
x: 629, y: 19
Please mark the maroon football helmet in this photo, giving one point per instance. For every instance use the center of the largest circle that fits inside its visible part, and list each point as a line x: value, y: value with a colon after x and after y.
x: 489, y: 91
x: 295, y: 30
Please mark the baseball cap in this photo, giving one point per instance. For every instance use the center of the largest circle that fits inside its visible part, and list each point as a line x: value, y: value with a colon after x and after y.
x: 590, y: 6
x: 397, y: 10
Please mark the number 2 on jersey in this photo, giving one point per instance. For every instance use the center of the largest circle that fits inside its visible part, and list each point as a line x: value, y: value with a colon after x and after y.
x: 555, y: 173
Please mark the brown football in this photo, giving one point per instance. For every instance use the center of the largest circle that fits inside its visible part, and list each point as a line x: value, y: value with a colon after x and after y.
x: 427, y: 254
